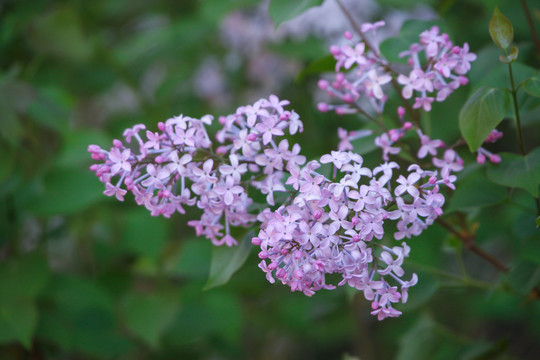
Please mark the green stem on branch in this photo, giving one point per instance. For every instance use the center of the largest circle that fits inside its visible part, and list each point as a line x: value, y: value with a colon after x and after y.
x: 516, y: 111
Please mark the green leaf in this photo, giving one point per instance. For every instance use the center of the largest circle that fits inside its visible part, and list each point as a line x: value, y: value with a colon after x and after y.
x: 422, y: 292
x: 227, y: 260
x: 75, y: 148
x: 408, y: 34
x: 427, y: 339
x: 405, y: 3
x: 501, y: 30
x: 59, y: 33
x: 420, y: 342
x: 476, y: 191
x: 319, y: 66
x: 532, y: 85
x: 524, y: 277
x: 192, y: 260
x: 48, y: 112
x: 486, y: 351
x: 283, y: 10
x: 510, y: 58
x: 484, y: 110
x: 144, y: 234
x: 518, y: 171
x: 538, y: 221
x: 498, y: 76
x: 80, y: 316
x: 18, y: 320
x: 148, y: 316
x: 22, y: 281
x: 67, y: 190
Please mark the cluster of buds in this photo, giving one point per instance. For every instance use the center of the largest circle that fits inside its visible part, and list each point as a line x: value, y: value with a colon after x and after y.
x: 483, y: 153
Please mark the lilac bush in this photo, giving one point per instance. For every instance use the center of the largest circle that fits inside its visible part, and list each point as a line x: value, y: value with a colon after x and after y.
x: 335, y: 215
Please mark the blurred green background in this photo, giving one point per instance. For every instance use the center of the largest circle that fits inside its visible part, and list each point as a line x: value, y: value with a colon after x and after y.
x: 83, y: 276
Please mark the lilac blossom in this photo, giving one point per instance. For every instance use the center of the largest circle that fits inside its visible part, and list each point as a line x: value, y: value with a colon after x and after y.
x: 178, y: 161
x: 328, y: 224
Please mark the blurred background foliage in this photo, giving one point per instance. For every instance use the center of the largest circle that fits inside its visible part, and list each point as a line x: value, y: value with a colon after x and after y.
x: 83, y: 276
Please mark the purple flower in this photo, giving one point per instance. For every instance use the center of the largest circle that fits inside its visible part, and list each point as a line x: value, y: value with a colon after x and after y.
x: 228, y: 190
x: 119, y: 160
x: 407, y: 185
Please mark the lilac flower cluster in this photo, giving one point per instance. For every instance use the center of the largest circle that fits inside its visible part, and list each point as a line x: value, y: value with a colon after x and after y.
x: 177, y: 167
x: 437, y: 66
x: 330, y: 225
x: 366, y: 81
x: 442, y: 73
x: 331, y: 222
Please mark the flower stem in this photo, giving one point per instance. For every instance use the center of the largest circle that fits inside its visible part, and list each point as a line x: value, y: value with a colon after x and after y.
x: 516, y: 111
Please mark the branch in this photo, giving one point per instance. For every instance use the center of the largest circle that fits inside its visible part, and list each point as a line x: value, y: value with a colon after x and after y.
x: 531, y: 25
x: 468, y: 241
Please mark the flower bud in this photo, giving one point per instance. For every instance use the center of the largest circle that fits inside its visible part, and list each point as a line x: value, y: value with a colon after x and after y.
x: 323, y: 84
x: 495, y: 159
x: 348, y: 98
x: 481, y: 158
x: 335, y: 50
x: 323, y: 107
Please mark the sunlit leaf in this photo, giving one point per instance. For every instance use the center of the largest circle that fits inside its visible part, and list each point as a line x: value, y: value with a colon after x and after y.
x: 227, y: 260
x: 501, y: 30
x: 484, y: 110
x: 518, y: 171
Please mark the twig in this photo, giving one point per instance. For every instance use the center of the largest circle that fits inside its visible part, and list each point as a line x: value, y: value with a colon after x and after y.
x: 468, y: 241
x: 531, y: 25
